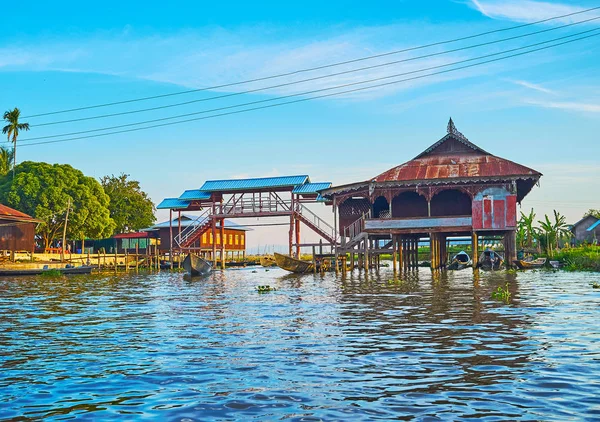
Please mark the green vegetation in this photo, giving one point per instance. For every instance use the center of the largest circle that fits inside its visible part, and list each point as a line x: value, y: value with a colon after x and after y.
x: 584, y: 258
x: 592, y: 212
x: 502, y: 293
x: 130, y: 208
x: 43, y: 190
x: 6, y: 161
x: 265, y: 289
x: 547, y: 237
x: 12, y: 129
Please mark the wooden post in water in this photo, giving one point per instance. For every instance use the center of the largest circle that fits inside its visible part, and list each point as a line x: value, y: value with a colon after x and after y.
x: 98, y: 252
x: 366, y: 246
x: 126, y: 263
x: 137, y: 257
x: 171, y: 237
x: 222, y: 243
x: 116, y: 259
x: 297, y: 238
x: 475, y: 250
x: 314, y: 260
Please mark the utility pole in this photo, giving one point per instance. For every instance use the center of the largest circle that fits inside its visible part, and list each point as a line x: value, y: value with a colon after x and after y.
x: 64, y: 237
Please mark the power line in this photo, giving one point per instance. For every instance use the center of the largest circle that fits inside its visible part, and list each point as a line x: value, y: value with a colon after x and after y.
x: 102, y: 116
x: 316, y: 67
x: 313, y: 91
x: 311, y: 98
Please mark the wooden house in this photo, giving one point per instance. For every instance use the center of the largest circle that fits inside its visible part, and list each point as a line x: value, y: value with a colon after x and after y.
x: 453, y: 188
x: 586, y: 230
x: 17, y: 230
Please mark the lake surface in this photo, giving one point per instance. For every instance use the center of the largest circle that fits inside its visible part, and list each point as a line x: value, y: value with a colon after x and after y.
x: 160, y: 347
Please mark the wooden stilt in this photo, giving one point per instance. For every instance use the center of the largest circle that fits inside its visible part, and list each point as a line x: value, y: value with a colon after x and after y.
x: 366, y: 246
x: 137, y: 257
x: 475, y: 250
x: 297, y: 222
x: 222, y: 224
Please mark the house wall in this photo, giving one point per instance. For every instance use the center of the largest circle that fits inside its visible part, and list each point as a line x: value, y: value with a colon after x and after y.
x: 235, y: 240
x: 494, y: 209
x: 580, y: 230
x: 17, y: 236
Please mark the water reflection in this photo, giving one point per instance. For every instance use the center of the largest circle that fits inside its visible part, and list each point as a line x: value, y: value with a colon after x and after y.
x: 360, y: 347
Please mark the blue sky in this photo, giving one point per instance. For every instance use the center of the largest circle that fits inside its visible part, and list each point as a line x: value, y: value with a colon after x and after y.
x: 541, y: 110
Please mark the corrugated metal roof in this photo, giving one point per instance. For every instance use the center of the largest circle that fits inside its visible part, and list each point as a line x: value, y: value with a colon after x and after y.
x: 455, y: 166
x: 593, y: 226
x: 311, y: 188
x: 12, y: 214
x: 194, y: 195
x: 259, y: 183
x: 172, y: 203
x: 188, y: 220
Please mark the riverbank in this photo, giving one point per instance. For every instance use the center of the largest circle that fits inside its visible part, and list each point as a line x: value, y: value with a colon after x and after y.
x: 584, y: 258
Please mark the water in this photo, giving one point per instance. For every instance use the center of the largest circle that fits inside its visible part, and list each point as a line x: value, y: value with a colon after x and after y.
x: 160, y: 347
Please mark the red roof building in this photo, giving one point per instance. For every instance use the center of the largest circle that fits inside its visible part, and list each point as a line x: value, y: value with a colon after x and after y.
x: 17, y: 230
x: 452, y: 188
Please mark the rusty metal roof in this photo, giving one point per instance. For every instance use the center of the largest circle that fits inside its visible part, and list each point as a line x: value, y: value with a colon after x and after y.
x: 455, y: 166
x: 8, y: 213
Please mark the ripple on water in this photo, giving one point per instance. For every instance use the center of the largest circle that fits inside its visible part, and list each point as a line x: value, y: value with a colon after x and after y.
x: 319, y: 348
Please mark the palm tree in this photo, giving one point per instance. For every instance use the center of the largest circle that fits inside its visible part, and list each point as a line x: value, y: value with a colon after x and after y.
x: 11, y: 130
x: 560, y: 227
x: 526, y: 224
x: 6, y: 160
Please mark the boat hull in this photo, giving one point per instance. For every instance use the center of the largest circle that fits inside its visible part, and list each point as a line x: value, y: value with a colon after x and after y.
x: 196, y: 266
x: 293, y: 265
x: 490, y: 261
x: 267, y: 261
x: 39, y: 271
x: 460, y: 261
x: 526, y: 265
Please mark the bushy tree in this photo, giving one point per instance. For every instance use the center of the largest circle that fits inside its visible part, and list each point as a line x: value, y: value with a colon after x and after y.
x: 44, y: 191
x: 592, y: 212
x: 129, y: 206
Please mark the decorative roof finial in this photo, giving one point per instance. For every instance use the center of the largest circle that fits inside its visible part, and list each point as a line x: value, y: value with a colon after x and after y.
x: 451, y: 128
x: 453, y: 131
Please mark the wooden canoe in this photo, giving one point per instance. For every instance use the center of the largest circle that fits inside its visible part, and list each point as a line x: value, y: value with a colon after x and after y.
x: 292, y: 264
x: 525, y: 265
x: 460, y: 261
x: 196, y: 266
x: 267, y: 261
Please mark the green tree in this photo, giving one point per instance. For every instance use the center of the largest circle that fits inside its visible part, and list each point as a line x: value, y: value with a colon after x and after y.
x: 6, y: 161
x: 554, y: 231
x: 43, y: 190
x: 12, y: 129
x: 130, y: 207
x: 592, y: 212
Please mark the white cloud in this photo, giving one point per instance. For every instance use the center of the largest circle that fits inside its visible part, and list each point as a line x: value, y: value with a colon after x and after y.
x: 567, y: 105
x: 535, y: 87
x: 528, y: 10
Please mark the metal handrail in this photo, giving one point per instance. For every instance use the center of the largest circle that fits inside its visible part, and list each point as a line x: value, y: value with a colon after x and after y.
x: 316, y: 220
x: 199, y: 222
x: 357, y: 227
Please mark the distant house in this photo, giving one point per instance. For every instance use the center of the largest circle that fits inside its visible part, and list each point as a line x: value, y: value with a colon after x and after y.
x: 17, y: 230
x: 234, y: 239
x: 586, y: 230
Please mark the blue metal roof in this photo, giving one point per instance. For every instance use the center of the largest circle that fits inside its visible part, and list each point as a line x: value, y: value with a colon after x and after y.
x: 172, y: 203
x: 260, y: 183
x: 194, y: 195
x: 311, y: 188
x: 593, y: 226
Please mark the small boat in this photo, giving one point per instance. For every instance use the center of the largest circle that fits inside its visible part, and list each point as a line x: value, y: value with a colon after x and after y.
x: 196, y: 266
x: 267, y: 261
x: 490, y: 260
x: 292, y: 264
x: 460, y: 261
x: 556, y: 264
x: 525, y: 264
x: 86, y: 269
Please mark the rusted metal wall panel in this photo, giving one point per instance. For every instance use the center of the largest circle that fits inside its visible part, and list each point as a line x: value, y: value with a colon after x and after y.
x: 18, y: 237
x: 487, y: 212
x: 511, y: 211
x: 498, y: 218
x: 477, y: 210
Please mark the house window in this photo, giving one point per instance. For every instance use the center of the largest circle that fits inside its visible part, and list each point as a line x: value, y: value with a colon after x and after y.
x: 204, y: 238
x: 231, y: 239
x: 218, y: 238
x: 237, y: 239
x: 243, y: 238
x: 211, y: 239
